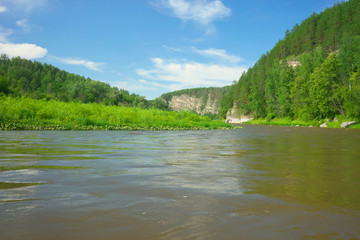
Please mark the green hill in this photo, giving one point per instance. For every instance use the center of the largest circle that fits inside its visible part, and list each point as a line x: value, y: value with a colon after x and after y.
x: 21, y: 77
x: 312, y: 73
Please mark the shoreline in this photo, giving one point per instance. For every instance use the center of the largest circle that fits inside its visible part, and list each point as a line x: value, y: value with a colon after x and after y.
x: 300, y: 123
x: 68, y: 127
x: 30, y: 114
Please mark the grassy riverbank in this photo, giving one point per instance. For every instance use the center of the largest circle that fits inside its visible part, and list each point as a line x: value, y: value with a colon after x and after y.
x: 301, y: 123
x: 30, y: 114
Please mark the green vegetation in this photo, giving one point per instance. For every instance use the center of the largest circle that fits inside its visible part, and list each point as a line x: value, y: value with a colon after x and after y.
x: 12, y: 168
x: 10, y: 185
x: 43, y: 97
x: 29, y: 114
x: 215, y: 92
x: 298, y: 122
x: 311, y: 74
x: 21, y: 77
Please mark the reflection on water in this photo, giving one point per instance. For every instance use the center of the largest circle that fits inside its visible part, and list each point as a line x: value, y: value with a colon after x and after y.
x: 251, y: 183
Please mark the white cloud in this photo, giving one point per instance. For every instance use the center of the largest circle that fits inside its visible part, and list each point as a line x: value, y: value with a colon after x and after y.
x: 4, y: 33
x: 219, y: 54
x: 172, y: 49
x: 27, y: 5
x: 95, y: 66
x: 3, y: 9
x: 24, y: 25
x: 188, y: 74
x: 199, y: 11
x: 23, y: 50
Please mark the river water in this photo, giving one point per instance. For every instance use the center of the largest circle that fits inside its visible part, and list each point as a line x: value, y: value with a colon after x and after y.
x: 257, y: 182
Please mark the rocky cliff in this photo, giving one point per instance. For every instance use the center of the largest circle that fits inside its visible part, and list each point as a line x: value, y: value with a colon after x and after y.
x: 196, y: 104
x: 200, y: 100
x: 234, y: 115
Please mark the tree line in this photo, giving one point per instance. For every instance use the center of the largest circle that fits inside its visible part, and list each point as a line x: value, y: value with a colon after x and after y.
x: 21, y: 77
x: 313, y: 73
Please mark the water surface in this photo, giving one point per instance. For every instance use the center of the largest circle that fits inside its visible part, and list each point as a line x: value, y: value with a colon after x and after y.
x: 258, y: 182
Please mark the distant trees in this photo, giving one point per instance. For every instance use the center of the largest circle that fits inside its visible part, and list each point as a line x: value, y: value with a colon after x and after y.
x: 197, y: 92
x: 21, y: 77
x: 325, y: 80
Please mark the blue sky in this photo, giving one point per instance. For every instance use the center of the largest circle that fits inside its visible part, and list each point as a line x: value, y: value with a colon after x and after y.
x: 150, y: 47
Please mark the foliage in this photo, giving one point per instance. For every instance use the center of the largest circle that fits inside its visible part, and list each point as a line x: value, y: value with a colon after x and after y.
x: 299, y: 123
x: 21, y: 77
x: 197, y: 92
x: 324, y: 77
x: 23, y: 113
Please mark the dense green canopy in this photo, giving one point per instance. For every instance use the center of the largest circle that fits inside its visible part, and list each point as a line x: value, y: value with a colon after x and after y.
x: 21, y: 77
x: 313, y: 73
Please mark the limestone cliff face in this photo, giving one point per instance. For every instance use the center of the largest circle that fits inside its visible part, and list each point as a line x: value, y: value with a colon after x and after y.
x: 186, y: 102
x: 293, y: 63
x: 235, y: 116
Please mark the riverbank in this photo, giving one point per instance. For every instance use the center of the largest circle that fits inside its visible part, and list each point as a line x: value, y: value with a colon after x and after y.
x: 336, y: 123
x: 30, y: 114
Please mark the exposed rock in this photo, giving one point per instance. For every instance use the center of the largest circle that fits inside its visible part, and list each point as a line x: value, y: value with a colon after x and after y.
x: 242, y: 119
x: 234, y: 116
x: 186, y: 102
x: 335, y: 119
x: 311, y: 126
x: 293, y: 63
x: 324, y: 125
x: 347, y: 124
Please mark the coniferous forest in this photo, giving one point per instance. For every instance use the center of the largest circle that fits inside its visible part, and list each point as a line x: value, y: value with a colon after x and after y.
x: 313, y: 73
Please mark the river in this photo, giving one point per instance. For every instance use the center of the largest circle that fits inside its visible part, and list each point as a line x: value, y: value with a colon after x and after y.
x: 258, y: 182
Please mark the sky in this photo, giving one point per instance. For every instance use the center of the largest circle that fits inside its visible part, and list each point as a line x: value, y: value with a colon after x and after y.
x: 150, y: 47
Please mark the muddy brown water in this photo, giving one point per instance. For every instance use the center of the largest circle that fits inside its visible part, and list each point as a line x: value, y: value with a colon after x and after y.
x: 257, y: 182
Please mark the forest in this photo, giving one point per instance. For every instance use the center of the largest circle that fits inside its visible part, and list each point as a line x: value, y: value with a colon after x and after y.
x: 22, y: 77
x: 313, y: 73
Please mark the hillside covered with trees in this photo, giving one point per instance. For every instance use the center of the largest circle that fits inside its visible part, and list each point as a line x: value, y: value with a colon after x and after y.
x: 312, y: 73
x: 21, y: 77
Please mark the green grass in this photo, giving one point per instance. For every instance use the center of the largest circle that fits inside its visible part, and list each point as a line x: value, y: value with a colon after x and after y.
x: 10, y: 185
x: 30, y: 114
x: 300, y: 123
x: 12, y: 168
